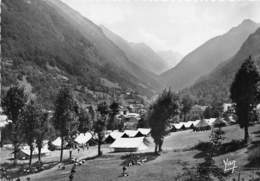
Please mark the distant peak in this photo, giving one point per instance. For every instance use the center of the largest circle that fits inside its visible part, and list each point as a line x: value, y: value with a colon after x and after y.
x: 247, y: 22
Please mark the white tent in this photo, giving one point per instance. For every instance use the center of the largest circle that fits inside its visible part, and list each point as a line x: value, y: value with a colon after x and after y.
x: 178, y: 125
x: 129, y: 144
x: 116, y: 134
x: 188, y: 124
x: 144, y: 131
x: 56, y: 142
x: 83, y: 138
x: 113, y: 136
x: 25, y: 151
x: 130, y: 133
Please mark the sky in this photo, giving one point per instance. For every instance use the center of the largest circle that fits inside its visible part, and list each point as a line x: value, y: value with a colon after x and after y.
x: 180, y: 26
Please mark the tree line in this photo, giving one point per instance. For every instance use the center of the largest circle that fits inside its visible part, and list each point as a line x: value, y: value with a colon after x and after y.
x: 32, y: 124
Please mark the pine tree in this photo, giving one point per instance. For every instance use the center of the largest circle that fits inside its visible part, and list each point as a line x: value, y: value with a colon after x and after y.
x: 245, y: 93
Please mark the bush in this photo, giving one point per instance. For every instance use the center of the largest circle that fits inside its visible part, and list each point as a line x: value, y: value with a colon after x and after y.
x: 231, y: 146
x: 223, y: 148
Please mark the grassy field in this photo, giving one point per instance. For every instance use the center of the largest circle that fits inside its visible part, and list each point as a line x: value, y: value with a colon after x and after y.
x: 175, y: 159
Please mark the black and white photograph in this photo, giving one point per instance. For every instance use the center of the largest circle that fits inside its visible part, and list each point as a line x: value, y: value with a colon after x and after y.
x: 130, y: 90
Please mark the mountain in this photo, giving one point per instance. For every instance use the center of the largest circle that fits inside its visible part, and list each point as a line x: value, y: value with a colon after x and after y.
x: 216, y: 85
x: 138, y: 53
x: 208, y: 56
x: 46, y: 44
x: 170, y: 57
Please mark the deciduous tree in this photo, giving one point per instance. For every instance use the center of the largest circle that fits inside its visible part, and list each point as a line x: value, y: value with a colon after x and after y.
x: 65, y: 118
x: 114, y: 110
x: 31, y: 115
x: 41, y: 131
x: 13, y: 104
x: 166, y: 106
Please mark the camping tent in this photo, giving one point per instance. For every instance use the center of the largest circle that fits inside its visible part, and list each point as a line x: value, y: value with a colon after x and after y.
x: 129, y: 133
x: 57, y: 143
x: 113, y: 136
x: 202, y: 125
x: 129, y: 144
x: 189, y: 125
x: 83, y: 138
x: 144, y: 131
x: 178, y: 126
x: 24, y: 152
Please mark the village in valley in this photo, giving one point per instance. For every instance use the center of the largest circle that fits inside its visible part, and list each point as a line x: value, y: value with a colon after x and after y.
x: 81, y: 103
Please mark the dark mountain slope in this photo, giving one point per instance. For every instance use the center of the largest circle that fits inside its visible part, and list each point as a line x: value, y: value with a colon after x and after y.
x: 107, y: 50
x: 208, y: 56
x: 217, y: 84
x: 48, y: 48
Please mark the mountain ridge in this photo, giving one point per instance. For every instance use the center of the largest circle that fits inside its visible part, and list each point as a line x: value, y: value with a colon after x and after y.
x: 207, y: 56
x: 216, y: 85
x: 138, y: 53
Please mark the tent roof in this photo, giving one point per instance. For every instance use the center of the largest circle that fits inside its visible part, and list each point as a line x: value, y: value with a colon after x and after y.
x: 144, y: 131
x: 131, y: 133
x: 202, y: 123
x: 26, y: 150
x: 137, y: 142
x: 83, y: 138
x: 56, y: 142
x: 178, y: 125
x: 116, y: 134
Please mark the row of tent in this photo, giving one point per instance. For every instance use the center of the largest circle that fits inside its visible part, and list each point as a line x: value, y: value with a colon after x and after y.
x: 88, y: 137
x: 129, y: 140
x: 199, y: 125
x: 81, y: 139
x: 24, y: 151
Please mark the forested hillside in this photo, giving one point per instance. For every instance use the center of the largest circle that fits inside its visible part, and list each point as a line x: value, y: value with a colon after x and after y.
x: 216, y: 85
x: 208, y: 56
x: 43, y: 48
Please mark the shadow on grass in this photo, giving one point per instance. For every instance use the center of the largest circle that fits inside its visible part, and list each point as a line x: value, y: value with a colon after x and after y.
x: 228, y: 147
x: 256, y: 132
x: 18, y: 170
x: 138, y: 158
x: 254, y: 155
